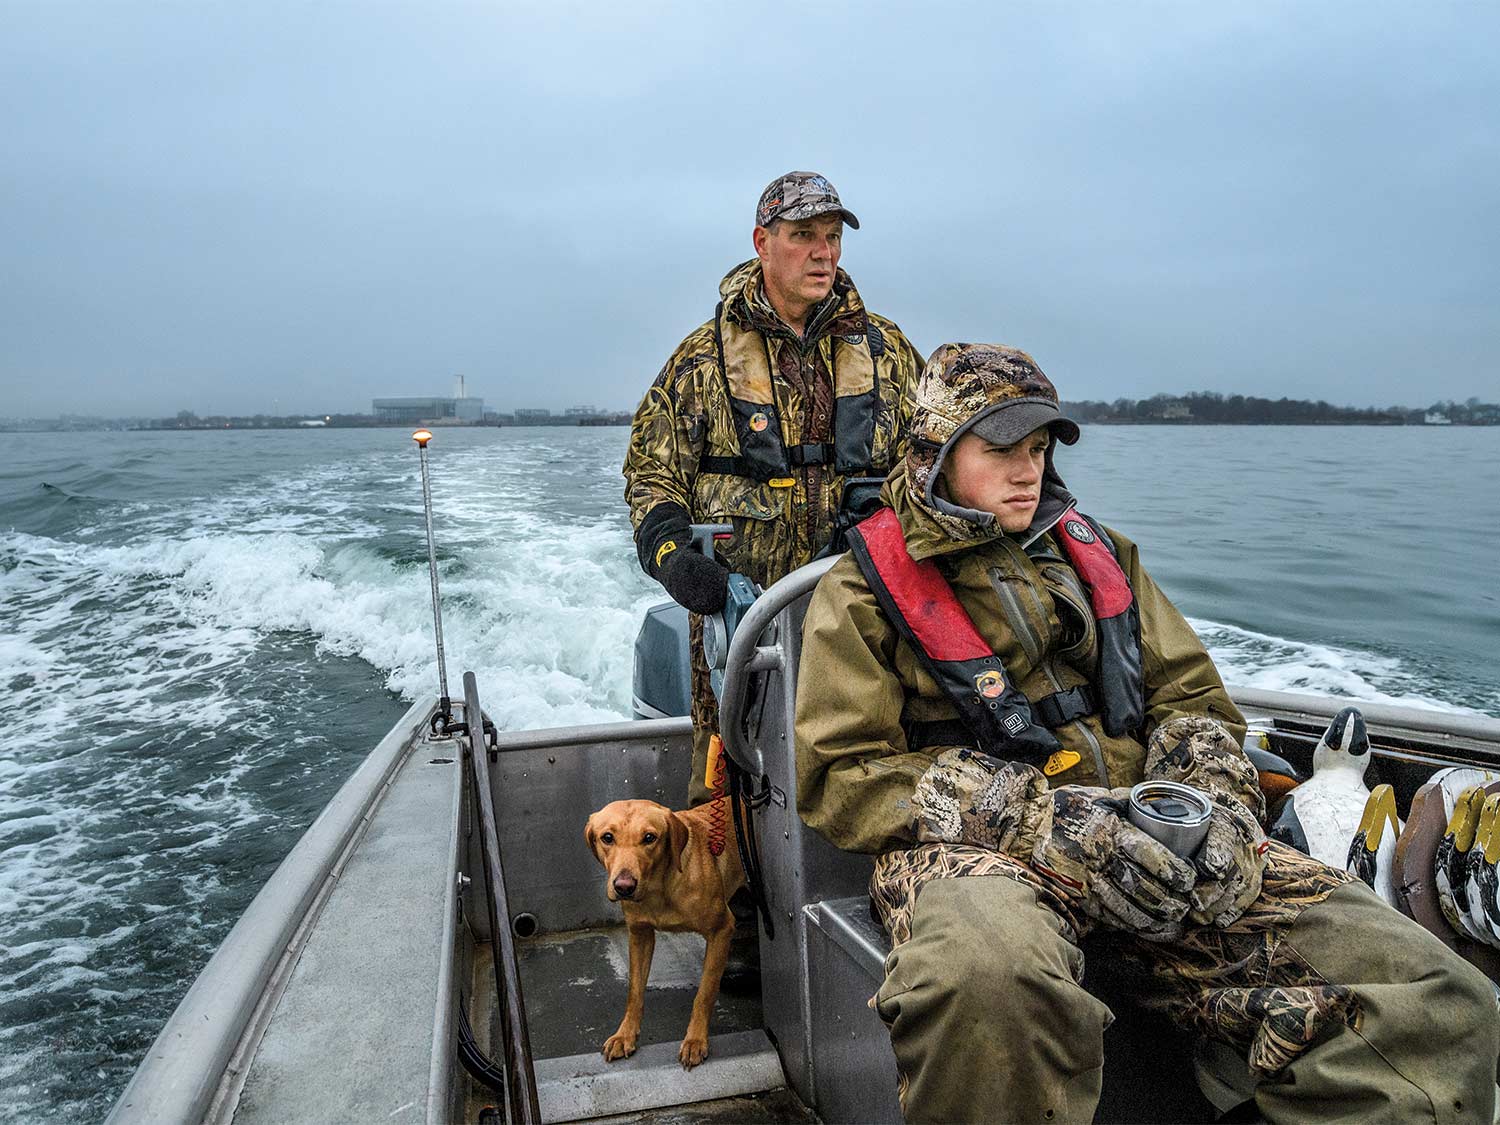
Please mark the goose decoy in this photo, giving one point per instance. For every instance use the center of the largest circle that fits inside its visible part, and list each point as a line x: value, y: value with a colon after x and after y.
x: 1372, y: 852
x: 1321, y: 815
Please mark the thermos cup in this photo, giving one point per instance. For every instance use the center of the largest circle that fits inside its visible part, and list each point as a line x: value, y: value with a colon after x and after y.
x: 1171, y: 812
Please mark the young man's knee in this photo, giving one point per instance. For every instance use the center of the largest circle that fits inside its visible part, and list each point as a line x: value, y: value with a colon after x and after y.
x: 986, y: 943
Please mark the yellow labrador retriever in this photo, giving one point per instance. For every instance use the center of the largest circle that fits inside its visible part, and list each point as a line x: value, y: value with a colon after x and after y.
x: 659, y: 869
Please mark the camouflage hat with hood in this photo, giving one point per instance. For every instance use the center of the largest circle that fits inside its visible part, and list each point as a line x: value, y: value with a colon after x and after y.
x: 999, y: 393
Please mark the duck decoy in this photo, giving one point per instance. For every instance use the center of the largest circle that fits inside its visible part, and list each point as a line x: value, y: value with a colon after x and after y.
x: 1479, y: 871
x: 1321, y: 815
x: 1372, y: 852
x: 1448, y: 865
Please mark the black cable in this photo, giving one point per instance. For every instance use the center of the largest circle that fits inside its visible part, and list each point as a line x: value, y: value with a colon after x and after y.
x: 749, y: 851
x: 474, y: 1060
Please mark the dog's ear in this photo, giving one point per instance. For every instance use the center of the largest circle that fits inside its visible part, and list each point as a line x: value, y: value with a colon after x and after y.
x: 678, y: 837
x: 591, y: 834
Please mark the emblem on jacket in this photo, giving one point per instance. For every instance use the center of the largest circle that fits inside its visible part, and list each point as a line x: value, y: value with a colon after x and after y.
x: 990, y: 684
x: 1080, y: 531
x: 759, y: 421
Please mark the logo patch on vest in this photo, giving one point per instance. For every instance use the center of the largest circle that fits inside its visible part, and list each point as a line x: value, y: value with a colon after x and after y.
x: 1014, y: 723
x: 855, y: 338
x: 990, y: 684
x: 1061, y: 760
x: 1079, y: 531
x: 664, y: 550
x: 759, y: 421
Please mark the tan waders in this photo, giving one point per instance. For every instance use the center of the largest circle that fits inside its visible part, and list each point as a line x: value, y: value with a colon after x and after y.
x: 1351, y: 1012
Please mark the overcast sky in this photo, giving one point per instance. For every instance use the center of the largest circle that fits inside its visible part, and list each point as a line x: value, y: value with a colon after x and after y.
x: 230, y: 208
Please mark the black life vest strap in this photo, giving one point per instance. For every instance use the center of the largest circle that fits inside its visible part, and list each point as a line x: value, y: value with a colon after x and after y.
x: 1062, y: 707
x: 819, y: 453
x: 1051, y: 711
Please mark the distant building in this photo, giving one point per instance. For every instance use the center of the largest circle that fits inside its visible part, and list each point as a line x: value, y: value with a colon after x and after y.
x: 411, y: 411
x: 582, y: 411
x: 1436, y: 418
x: 524, y: 413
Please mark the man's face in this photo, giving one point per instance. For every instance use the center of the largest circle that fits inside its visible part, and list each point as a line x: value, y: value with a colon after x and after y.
x: 799, y: 259
x: 1003, y: 479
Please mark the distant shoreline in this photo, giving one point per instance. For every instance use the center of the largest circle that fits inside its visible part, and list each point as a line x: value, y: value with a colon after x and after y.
x: 283, y: 427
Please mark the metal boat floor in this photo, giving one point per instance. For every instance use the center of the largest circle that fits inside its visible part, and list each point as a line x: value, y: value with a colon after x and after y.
x: 575, y: 984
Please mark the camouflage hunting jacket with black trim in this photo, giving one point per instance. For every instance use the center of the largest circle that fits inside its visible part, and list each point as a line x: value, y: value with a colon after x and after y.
x: 848, y: 355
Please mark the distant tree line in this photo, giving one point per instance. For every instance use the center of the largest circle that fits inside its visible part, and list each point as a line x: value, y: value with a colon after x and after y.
x: 1212, y: 408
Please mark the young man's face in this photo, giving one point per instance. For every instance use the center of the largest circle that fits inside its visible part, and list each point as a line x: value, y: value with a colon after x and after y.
x: 1005, y: 480
x: 799, y: 259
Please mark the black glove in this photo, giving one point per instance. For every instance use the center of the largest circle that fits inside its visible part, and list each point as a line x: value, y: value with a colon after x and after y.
x: 664, y: 545
x: 694, y: 580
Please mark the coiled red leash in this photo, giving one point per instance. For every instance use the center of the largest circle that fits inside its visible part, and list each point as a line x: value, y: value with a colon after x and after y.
x: 714, y: 778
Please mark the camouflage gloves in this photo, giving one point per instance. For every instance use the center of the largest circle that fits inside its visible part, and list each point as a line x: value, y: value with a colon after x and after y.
x: 1116, y: 873
x: 970, y: 798
x: 1230, y: 863
x: 1074, y: 837
x: 1197, y: 751
x: 663, y: 542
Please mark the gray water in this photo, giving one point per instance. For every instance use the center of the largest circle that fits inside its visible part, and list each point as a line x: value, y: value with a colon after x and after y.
x: 206, y: 632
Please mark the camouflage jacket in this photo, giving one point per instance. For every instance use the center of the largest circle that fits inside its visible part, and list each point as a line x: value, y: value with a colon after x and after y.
x: 856, y: 774
x: 691, y: 422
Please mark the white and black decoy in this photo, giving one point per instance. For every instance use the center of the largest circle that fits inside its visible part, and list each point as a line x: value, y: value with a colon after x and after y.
x: 1449, y: 866
x: 1322, y: 814
x: 1372, y: 852
x: 1480, y: 877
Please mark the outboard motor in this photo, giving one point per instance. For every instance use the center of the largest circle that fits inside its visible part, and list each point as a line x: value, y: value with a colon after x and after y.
x: 662, y: 675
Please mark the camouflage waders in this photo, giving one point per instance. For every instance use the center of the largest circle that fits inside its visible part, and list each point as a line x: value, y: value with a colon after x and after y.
x: 989, y: 1020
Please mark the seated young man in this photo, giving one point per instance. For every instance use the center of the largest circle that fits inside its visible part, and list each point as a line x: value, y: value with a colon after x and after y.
x: 985, y: 674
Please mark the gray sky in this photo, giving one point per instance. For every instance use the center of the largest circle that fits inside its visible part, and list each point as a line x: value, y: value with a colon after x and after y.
x: 221, y: 207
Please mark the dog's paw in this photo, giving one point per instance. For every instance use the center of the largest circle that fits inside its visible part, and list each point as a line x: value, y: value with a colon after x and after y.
x: 620, y: 1045
x: 693, y: 1051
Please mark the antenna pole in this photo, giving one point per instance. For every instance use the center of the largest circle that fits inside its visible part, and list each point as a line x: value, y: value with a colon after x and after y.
x: 445, y: 706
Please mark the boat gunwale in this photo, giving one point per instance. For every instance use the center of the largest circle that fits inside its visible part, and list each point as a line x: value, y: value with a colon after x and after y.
x: 181, y: 1075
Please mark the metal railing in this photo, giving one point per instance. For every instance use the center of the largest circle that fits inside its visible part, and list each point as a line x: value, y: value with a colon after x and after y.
x: 747, y: 655
x: 521, y: 1104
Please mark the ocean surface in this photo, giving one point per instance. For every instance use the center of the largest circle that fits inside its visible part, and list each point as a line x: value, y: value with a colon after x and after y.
x: 204, y: 633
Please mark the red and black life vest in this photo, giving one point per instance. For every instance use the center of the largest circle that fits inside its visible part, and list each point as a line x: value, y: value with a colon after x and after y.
x: 1003, y: 722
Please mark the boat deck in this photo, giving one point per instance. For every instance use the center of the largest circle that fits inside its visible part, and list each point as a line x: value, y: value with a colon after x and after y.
x: 575, y: 984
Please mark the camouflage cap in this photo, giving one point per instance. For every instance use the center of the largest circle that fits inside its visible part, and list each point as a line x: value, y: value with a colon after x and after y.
x: 800, y: 195
x: 997, y: 391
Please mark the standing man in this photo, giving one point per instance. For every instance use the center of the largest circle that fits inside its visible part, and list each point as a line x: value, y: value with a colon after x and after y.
x: 761, y: 414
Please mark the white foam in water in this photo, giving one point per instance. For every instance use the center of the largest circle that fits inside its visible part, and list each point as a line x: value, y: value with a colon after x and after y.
x: 148, y: 634
x: 1257, y: 660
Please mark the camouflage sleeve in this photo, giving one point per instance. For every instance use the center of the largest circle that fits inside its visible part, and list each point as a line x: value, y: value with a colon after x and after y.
x: 908, y: 369
x: 855, y: 776
x: 1180, y: 676
x: 666, y: 434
